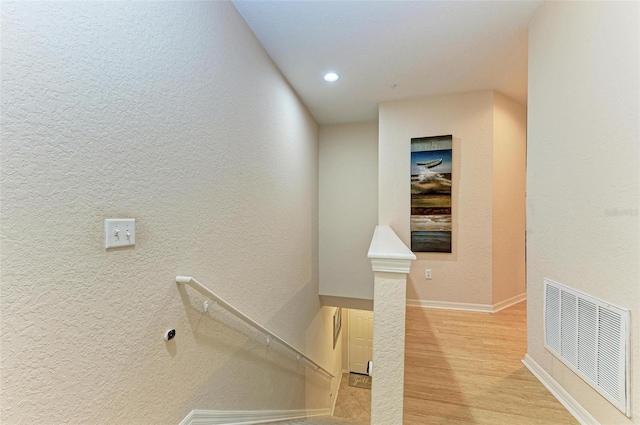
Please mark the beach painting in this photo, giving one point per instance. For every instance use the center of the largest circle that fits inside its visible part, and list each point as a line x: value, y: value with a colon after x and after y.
x: 431, y: 170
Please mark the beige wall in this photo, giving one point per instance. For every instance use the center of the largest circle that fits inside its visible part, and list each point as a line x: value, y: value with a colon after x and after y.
x: 583, y: 185
x: 348, y: 208
x: 508, y: 232
x: 465, y: 275
x: 173, y: 114
x: 489, y: 148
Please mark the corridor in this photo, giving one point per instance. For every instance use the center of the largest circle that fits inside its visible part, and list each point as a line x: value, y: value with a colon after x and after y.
x: 465, y: 368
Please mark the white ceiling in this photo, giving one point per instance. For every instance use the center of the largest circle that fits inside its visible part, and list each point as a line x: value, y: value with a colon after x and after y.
x: 422, y: 47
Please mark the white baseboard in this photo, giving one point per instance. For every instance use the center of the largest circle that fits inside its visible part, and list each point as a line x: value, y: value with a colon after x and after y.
x: 508, y: 303
x: 570, y: 403
x: 248, y: 417
x: 483, y: 308
x: 335, y: 398
x: 486, y: 308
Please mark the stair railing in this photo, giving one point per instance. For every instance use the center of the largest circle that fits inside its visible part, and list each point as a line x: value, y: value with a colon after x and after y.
x: 271, y: 336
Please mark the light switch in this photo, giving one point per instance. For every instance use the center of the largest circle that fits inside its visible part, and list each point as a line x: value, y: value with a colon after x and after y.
x: 119, y: 232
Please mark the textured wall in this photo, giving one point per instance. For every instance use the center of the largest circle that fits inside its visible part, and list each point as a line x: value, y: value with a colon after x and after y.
x: 465, y: 275
x: 388, y: 354
x: 348, y: 208
x: 509, y: 186
x: 173, y: 114
x: 583, y: 186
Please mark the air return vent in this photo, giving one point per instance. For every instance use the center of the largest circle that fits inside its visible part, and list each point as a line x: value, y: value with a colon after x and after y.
x: 591, y: 337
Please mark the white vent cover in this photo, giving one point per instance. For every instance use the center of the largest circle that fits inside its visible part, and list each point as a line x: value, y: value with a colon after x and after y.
x: 591, y: 337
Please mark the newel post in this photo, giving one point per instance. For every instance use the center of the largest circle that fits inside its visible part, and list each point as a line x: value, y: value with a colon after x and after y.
x: 390, y: 261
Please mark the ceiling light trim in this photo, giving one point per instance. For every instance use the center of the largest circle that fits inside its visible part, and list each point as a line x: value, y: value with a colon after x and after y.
x: 331, y: 77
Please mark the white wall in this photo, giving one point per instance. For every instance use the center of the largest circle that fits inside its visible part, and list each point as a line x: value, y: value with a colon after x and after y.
x: 509, y: 186
x: 348, y: 209
x: 173, y: 114
x: 464, y: 275
x: 583, y: 185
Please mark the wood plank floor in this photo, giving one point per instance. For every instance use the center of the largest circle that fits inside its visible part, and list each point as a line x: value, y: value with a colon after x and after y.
x: 464, y: 368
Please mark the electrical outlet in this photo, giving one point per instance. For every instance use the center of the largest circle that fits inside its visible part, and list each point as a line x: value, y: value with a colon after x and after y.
x: 427, y: 273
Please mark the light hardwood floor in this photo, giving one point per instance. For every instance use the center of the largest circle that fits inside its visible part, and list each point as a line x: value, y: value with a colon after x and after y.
x: 464, y: 368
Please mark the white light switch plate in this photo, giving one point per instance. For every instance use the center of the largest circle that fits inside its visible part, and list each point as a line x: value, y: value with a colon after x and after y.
x: 119, y: 232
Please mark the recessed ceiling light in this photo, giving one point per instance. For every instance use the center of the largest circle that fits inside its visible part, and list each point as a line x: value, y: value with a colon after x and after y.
x: 331, y: 77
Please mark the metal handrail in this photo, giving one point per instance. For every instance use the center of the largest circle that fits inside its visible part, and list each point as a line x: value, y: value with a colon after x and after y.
x: 188, y: 280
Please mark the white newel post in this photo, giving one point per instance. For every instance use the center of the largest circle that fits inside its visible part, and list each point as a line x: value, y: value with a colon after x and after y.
x: 390, y: 261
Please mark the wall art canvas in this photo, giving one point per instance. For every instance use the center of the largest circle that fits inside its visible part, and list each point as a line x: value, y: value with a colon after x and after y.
x: 337, y: 325
x: 431, y: 168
